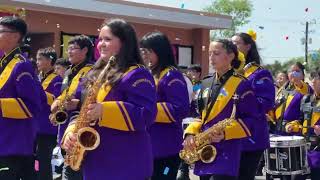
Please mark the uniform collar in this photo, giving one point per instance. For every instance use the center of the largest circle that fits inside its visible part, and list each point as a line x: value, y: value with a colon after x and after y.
x: 7, y: 57
x: 43, y: 75
x: 222, y: 79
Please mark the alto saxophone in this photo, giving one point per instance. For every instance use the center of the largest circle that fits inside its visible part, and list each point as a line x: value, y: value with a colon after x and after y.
x: 204, y: 151
x: 87, y: 137
x: 61, y: 116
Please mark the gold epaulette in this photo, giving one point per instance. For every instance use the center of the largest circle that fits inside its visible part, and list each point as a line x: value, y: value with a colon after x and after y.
x: 239, y: 75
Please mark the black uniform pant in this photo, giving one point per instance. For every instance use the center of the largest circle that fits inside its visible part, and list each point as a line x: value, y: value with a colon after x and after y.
x: 218, y: 177
x: 45, y: 145
x: 248, y: 164
x: 166, y: 168
x: 17, y: 168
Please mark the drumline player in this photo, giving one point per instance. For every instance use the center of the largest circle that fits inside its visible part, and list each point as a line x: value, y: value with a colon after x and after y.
x: 288, y: 98
x: 287, y: 104
x: 308, y: 125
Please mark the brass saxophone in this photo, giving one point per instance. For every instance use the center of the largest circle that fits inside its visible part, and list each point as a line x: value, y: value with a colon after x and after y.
x: 61, y: 116
x: 204, y: 151
x: 87, y: 137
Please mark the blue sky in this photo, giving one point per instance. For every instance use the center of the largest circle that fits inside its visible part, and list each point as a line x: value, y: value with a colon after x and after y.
x: 280, y: 18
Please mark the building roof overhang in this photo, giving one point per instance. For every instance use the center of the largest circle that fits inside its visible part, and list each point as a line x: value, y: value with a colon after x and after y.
x: 131, y: 11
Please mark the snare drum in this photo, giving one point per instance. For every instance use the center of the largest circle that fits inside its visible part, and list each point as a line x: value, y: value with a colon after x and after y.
x: 287, y: 156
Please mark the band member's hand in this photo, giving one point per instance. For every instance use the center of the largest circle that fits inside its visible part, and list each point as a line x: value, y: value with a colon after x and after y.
x: 317, y: 130
x: 94, y: 111
x: 69, y: 142
x: 216, y: 136
x: 289, y: 128
x: 189, y: 143
x: 52, y: 120
x: 55, y: 105
x: 72, y: 104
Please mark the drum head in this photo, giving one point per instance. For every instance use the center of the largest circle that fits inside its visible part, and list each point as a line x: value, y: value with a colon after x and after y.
x: 287, y: 141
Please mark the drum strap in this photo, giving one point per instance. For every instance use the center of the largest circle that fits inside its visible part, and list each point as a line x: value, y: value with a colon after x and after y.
x: 307, y: 107
x: 280, y: 122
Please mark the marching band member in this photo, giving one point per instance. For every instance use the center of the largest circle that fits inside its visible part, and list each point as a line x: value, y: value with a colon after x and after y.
x: 219, y: 94
x: 309, y: 125
x: 61, y: 66
x: 47, y: 133
x: 263, y: 88
x: 125, y: 109
x: 282, y: 79
x: 79, y: 54
x: 172, y: 104
x: 288, y: 99
x: 20, y: 103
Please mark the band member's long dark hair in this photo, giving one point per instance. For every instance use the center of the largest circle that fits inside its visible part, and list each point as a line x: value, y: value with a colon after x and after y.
x: 128, y: 55
x: 253, y: 54
x: 160, y: 45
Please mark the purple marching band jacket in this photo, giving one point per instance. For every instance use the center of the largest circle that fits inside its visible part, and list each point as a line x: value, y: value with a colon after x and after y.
x: 287, y: 106
x: 70, y: 84
x: 228, y: 150
x: 20, y: 103
x: 262, y: 85
x: 172, y: 106
x: 51, y: 84
x: 309, y: 117
x: 129, y: 108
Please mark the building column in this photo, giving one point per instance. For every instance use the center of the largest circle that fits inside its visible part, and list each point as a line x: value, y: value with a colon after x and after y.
x: 201, y: 38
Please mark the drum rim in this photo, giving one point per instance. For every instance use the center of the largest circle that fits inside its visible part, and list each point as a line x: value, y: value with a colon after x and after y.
x: 300, y: 141
x: 271, y: 172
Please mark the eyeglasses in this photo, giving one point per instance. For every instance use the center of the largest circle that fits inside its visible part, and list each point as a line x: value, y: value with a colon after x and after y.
x: 72, y: 48
x: 7, y: 31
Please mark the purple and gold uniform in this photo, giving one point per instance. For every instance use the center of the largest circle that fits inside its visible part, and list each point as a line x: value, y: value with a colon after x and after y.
x: 228, y: 150
x: 51, y: 84
x: 287, y: 107
x: 262, y: 85
x: 20, y: 103
x: 310, y: 117
x: 129, y: 108
x: 70, y: 84
x: 172, y: 104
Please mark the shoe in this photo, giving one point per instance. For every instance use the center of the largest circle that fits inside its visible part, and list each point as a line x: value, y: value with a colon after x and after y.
x: 183, y: 175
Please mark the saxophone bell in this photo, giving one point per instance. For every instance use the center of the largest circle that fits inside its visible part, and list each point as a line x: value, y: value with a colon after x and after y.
x: 60, y: 117
x: 88, y: 138
x: 208, y: 154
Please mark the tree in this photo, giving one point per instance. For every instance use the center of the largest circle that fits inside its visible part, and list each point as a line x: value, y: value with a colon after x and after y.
x: 313, y: 64
x: 240, y: 10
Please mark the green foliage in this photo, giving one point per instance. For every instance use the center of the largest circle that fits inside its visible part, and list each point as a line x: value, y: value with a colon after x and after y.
x: 313, y: 64
x: 240, y: 10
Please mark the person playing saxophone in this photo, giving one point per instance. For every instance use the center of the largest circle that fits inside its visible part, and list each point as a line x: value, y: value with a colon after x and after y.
x: 125, y: 108
x: 222, y: 96
x: 79, y: 52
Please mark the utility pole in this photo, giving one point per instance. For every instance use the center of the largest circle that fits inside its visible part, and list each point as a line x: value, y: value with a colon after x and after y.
x: 306, y: 40
x: 306, y: 43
